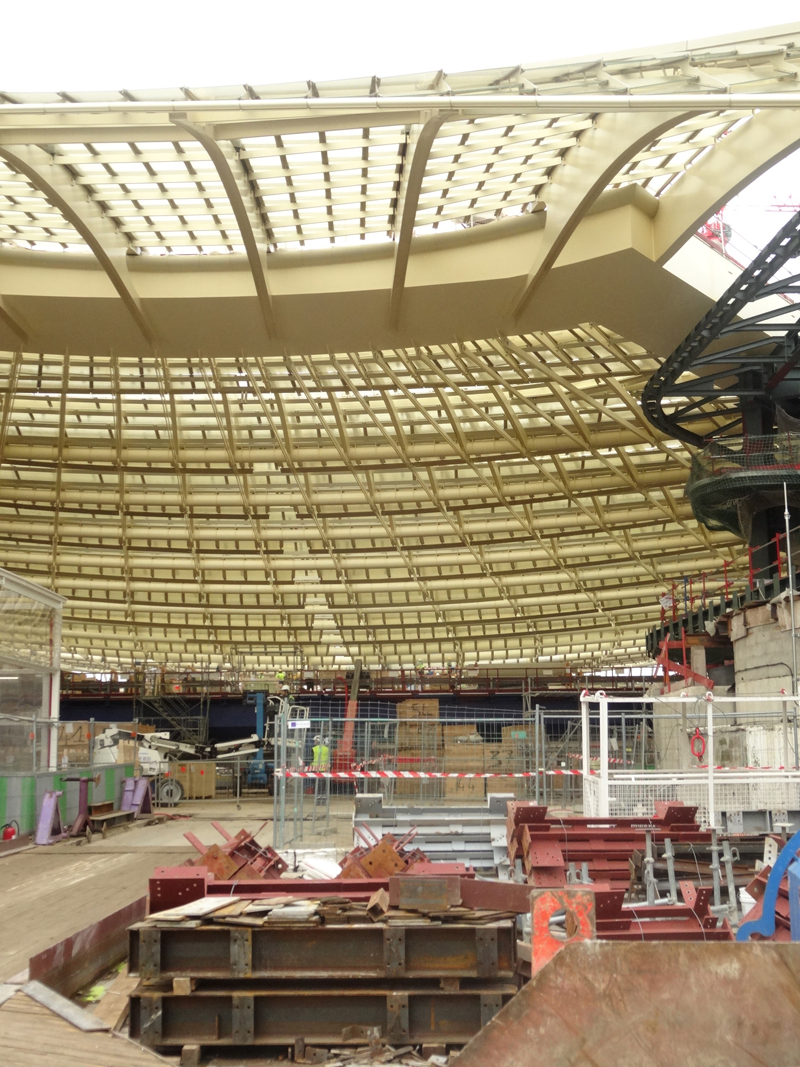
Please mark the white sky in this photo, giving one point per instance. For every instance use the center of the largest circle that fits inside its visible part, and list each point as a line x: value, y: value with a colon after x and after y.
x: 55, y: 45
x: 754, y: 214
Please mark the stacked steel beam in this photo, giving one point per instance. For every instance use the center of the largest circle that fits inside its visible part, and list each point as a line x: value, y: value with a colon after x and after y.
x: 556, y: 850
x: 470, y: 834
x: 599, y: 855
x: 407, y: 962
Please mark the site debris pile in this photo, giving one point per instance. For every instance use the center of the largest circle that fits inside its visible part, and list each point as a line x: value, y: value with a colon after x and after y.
x: 400, y: 950
x: 410, y: 965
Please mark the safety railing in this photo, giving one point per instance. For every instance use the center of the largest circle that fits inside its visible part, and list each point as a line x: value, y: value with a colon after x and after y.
x: 760, y: 573
x: 120, y: 686
x: 725, y: 755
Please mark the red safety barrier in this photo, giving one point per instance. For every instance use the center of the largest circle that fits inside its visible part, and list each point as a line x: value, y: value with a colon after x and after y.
x: 416, y: 774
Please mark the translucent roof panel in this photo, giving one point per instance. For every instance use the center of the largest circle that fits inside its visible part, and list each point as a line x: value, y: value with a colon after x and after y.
x: 483, y: 502
x: 324, y: 180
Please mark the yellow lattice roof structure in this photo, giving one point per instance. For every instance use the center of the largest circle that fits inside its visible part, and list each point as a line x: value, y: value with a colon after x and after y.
x: 352, y: 369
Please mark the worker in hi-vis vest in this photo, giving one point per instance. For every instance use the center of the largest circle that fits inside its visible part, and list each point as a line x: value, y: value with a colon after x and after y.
x: 320, y: 756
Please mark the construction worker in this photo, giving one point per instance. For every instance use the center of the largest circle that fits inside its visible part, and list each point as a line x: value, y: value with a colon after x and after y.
x: 286, y: 694
x: 320, y: 755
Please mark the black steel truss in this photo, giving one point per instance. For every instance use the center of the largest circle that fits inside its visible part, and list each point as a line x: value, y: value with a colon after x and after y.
x: 749, y: 369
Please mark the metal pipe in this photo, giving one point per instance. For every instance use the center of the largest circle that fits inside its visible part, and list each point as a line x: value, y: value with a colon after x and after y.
x: 543, y: 749
x: 649, y: 862
x: 499, y: 103
x: 715, y: 869
x: 785, y: 735
x: 604, y: 783
x: 585, y: 747
x: 284, y: 716
x: 790, y: 569
x: 624, y: 743
x: 669, y: 856
x: 712, y: 813
x: 730, y: 879
x: 536, y: 742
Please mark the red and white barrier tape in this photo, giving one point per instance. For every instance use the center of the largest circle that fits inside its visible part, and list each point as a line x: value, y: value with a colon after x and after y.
x: 413, y: 774
x: 594, y: 756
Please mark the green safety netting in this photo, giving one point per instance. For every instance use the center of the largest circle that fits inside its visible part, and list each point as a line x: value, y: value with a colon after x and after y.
x: 734, y: 478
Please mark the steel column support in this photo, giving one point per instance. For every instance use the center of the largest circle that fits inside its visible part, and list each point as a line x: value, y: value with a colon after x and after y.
x: 604, y: 800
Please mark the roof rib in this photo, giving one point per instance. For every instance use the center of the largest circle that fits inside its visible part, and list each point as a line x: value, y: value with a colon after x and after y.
x: 238, y: 192
x: 408, y: 202
x: 108, y: 245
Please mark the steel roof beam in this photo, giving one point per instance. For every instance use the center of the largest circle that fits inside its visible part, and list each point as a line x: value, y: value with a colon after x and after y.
x: 109, y: 246
x: 736, y: 161
x: 408, y: 201
x: 585, y: 172
x: 512, y: 103
x: 241, y: 197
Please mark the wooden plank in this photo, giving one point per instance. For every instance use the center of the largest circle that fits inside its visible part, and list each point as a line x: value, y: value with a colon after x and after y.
x: 65, y: 1009
x: 32, y: 1036
x: 112, y: 1008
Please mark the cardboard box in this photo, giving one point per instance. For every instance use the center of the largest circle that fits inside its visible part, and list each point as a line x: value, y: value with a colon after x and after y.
x: 419, y: 736
x: 518, y: 786
x: 75, y: 755
x: 410, y: 790
x: 503, y: 758
x: 462, y: 732
x: 199, y: 778
x: 464, y: 788
x: 127, y: 751
x: 73, y: 733
x: 521, y: 734
x: 418, y: 709
x: 464, y: 758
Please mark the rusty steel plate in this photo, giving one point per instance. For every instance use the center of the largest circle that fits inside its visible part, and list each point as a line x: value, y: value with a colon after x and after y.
x: 656, y: 1004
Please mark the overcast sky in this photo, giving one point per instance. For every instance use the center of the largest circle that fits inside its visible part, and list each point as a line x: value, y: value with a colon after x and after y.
x: 54, y: 44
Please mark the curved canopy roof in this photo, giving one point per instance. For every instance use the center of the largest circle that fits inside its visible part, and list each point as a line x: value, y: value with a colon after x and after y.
x: 354, y: 368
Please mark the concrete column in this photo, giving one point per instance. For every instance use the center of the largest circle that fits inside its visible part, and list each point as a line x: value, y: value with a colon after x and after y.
x: 698, y: 659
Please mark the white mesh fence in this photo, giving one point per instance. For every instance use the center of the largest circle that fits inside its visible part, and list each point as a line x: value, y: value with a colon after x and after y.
x: 634, y: 795
x: 717, y: 754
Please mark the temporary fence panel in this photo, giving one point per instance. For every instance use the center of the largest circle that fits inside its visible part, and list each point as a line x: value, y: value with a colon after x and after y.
x: 30, y: 651
x: 713, y: 752
x: 410, y: 756
x: 631, y: 795
x: 24, y: 744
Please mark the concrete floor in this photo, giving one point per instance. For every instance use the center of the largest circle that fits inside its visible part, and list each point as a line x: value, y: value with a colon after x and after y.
x: 52, y: 892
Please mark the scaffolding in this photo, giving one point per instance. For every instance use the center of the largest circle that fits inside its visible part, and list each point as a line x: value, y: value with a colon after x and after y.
x: 180, y: 706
